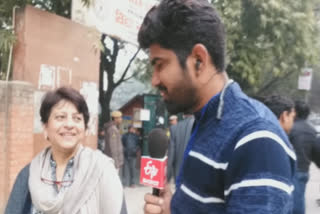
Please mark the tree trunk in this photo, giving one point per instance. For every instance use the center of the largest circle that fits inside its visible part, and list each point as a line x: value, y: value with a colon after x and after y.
x: 107, y: 67
x: 108, y: 61
x: 105, y: 98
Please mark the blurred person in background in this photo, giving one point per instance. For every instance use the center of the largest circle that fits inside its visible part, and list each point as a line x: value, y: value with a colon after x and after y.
x: 140, y: 149
x: 113, y: 145
x: 101, y: 139
x: 304, y: 140
x: 283, y: 108
x: 67, y: 177
x: 179, y: 137
x: 238, y: 159
x: 173, y: 120
x: 131, y: 143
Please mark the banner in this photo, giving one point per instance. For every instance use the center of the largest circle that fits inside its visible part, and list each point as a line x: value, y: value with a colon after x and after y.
x: 305, y: 79
x: 117, y: 18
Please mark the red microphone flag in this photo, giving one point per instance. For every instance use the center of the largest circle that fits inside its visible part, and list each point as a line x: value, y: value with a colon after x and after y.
x: 153, y: 171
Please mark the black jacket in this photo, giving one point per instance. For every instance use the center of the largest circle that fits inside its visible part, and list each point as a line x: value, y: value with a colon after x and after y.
x: 130, y: 143
x: 20, y: 199
x: 304, y: 141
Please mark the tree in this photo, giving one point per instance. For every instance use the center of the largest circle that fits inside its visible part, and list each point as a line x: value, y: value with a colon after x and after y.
x: 108, y: 62
x: 109, y: 56
x: 268, y: 41
x: 143, y: 72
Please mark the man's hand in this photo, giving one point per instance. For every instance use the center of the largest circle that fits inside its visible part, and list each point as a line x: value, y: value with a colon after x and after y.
x: 158, y: 205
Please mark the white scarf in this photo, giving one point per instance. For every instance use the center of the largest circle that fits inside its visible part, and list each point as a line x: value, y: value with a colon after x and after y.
x: 96, y: 187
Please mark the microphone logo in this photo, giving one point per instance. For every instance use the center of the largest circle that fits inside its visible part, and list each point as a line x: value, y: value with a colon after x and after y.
x: 150, y: 170
x: 153, y: 172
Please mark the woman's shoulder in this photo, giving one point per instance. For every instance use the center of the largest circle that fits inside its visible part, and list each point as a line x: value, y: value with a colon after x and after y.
x: 23, y: 174
x: 101, y: 163
x: 101, y: 157
x: 19, y: 200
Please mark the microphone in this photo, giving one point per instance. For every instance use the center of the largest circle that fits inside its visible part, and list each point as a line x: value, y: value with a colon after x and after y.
x: 153, y: 167
x: 158, y: 146
x: 158, y: 143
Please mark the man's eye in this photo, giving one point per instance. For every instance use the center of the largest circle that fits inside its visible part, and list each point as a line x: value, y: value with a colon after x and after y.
x: 159, y: 66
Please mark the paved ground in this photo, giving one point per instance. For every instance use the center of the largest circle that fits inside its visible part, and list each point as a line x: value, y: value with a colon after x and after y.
x: 313, y: 191
x: 134, y: 196
x: 134, y: 199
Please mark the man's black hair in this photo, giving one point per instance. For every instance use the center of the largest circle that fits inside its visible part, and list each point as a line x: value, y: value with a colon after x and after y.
x: 302, y: 110
x: 178, y: 25
x: 279, y: 104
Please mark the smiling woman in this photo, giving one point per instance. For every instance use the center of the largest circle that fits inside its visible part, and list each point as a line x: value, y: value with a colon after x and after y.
x: 67, y: 177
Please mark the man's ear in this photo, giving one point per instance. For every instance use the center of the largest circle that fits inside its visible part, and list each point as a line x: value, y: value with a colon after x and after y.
x: 200, y: 57
x: 197, y: 64
x: 284, y: 117
x: 281, y: 117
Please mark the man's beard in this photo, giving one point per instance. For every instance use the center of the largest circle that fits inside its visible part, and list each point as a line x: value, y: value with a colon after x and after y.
x: 175, y: 108
x: 185, y: 100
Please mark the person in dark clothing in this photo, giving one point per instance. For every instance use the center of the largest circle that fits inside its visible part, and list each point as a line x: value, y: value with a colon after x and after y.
x: 101, y: 140
x: 179, y: 137
x: 283, y: 108
x: 304, y: 141
x: 130, y: 143
x: 113, y: 146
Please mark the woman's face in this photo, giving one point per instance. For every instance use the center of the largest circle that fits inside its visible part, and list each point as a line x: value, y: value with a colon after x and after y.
x: 65, y: 127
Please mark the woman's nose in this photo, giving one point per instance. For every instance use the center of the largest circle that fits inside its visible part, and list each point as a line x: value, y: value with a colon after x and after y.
x: 69, y: 122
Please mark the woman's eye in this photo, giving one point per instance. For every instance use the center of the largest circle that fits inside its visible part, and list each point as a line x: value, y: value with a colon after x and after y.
x: 60, y: 117
x: 78, y: 119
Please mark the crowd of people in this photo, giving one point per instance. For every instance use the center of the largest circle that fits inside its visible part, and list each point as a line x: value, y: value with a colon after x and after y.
x: 230, y: 154
x: 125, y: 148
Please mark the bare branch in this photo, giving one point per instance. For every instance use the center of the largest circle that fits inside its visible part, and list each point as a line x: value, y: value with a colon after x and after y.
x: 115, y: 49
x: 133, y: 75
x: 127, y: 68
x: 274, y: 81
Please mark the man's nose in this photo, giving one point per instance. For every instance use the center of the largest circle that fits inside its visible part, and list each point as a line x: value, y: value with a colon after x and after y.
x: 155, y: 80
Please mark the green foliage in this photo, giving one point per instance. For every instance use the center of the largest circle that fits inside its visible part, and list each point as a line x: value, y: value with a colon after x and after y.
x: 109, y: 56
x: 59, y: 7
x: 143, y: 73
x: 267, y: 41
x: 7, y: 39
x: 143, y: 69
